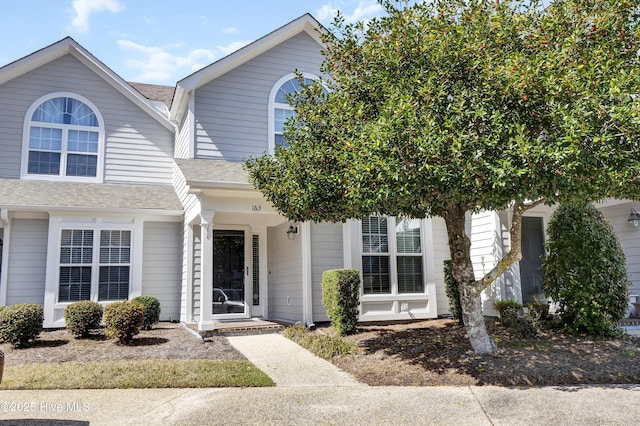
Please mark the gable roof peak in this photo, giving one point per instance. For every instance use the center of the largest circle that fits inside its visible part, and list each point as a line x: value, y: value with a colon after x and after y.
x: 305, y: 23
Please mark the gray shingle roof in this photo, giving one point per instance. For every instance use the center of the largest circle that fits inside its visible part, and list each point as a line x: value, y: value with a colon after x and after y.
x: 155, y: 92
x: 72, y: 195
x: 213, y: 172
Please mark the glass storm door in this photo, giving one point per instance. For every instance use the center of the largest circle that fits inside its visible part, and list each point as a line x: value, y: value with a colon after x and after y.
x: 230, y: 270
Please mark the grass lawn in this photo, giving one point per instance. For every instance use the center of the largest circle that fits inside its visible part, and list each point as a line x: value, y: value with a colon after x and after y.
x: 123, y: 374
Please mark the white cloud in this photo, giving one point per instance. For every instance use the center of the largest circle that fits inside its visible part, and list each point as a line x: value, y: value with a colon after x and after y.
x: 230, y: 30
x: 158, y: 65
x: 84, y: 8
x: 365, y: 10
x: 232, y: 47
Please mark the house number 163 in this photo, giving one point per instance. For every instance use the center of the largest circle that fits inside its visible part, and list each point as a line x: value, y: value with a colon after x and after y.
x: 256, y: 207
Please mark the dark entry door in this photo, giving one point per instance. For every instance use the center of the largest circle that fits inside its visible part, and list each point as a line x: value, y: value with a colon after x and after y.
x: 228, y: 272
x: 531, y: 263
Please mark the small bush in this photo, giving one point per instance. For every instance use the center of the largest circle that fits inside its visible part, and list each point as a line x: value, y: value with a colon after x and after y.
x: 585, y: 272
x: 82, y: 317
x: 323, y: 345
x: 507, y: 309
x: 123, y: 320
x: 453, y: 292
x: 341, y: 297
x: 152, y: 309
x: 21, y: 324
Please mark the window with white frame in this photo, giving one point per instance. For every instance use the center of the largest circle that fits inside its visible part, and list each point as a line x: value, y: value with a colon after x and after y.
x: 63, y: 136
x: 281, y: 110
x: 85, y: 276
x: 392, y: 258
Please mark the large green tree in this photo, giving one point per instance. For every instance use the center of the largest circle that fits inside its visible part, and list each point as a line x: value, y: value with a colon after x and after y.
x: 453, y: 106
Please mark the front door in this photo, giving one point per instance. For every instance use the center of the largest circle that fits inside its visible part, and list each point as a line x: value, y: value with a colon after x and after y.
x: 531, y: 263
x: 230, y: 274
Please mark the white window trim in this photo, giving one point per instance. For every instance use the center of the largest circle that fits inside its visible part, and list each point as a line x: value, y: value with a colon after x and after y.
x: 54, y: 310
x: 389, y: 306
x: 24, y: 174
x: 273, y: 105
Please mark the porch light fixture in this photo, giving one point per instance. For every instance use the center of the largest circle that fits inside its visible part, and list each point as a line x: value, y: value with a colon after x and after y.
x: 634, y: 219
x: 292, y: 232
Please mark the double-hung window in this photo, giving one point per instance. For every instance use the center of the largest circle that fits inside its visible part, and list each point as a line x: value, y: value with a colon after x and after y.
x: 62, y: 138
x: 94, y: 265
x: 392, y: 255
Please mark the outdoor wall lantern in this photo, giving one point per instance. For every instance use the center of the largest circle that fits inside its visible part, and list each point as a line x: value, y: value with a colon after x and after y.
x: 634, y: 219
x: 292, y: 232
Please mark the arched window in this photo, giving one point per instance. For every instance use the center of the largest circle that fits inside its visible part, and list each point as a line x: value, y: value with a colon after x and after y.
x: 63, y: 138
x: 280, y: 110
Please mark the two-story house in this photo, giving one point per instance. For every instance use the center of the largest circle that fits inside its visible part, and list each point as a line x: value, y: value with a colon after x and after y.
x: 110, y: 189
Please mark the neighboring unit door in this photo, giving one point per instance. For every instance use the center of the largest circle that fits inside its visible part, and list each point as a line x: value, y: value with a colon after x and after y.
x: 230, y: 274
x: 532, y: 254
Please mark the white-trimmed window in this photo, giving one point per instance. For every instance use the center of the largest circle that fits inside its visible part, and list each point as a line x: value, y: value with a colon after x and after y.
x: 63, y: 138
x: 280, y: 110
x: 392, y: 258
x: 83, y: 275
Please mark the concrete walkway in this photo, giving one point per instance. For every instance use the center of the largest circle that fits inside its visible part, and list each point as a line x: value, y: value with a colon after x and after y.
x: 311, y: 391
x: 288, y: 364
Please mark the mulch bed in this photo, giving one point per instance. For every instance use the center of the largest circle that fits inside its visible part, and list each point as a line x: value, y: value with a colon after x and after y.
x: 437, y: 352
x: 165, y: 341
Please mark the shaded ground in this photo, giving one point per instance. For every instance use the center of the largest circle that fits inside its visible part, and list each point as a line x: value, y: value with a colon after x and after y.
x: 165, y: 341
x: 437, y: 352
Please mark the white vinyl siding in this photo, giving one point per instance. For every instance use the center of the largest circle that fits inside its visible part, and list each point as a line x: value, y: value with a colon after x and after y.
x: 137, y: 147
x: 440, y: 254
x: 285, y: 275
x: 27, y: 261
x: 161, y: 266
x: 183, y: 137
x: 629, y: 238
x: 232, y: 111
x: 326, y: 254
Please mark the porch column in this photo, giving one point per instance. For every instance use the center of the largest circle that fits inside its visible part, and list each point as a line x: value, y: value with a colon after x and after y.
x: 206, y: 267
x: 307, y: 277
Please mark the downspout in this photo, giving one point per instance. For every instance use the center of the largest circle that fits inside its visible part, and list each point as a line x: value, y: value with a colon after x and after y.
x: 307, y: 278
x: 4, y: 218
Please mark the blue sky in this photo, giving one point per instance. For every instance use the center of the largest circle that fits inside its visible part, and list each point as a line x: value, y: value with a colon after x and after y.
x: 158, y: 41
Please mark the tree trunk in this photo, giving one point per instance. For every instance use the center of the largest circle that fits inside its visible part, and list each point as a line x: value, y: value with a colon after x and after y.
x: 462, y: 268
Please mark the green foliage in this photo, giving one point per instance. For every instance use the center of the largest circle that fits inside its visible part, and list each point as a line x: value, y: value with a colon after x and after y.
x: 82, y: 317
x: 448, y: 107
x: 21, y: 324
x: 507, y: 309
x: 152, y: 309
x: 464, y: 102
x: 323, y: 345
x: 453, y: 292
x: 123, y: 320
x: 585, y: 271
x: 340, y: 297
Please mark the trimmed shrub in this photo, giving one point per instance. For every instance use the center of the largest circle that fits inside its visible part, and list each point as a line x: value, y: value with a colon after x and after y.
x: 585, y: 271
x: 123, y: 320
x: 21, y: 324
x: 508, y: 310
x: 152, y: 309
x: 340, y: 297
x: 82, y: 317
x: 453, y: 292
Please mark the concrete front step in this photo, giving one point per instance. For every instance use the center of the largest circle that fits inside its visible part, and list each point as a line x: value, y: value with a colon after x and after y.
x: 243, y: 328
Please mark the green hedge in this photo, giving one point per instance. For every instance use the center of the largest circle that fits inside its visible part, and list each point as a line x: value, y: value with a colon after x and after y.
x: 123, y: 320
x: 21, y: 324
x: 152, y: 310
x: 82, y: 317
x: 341, y: 297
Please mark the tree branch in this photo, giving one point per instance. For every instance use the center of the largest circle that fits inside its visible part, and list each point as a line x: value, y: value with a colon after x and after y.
x: 515, y: 252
